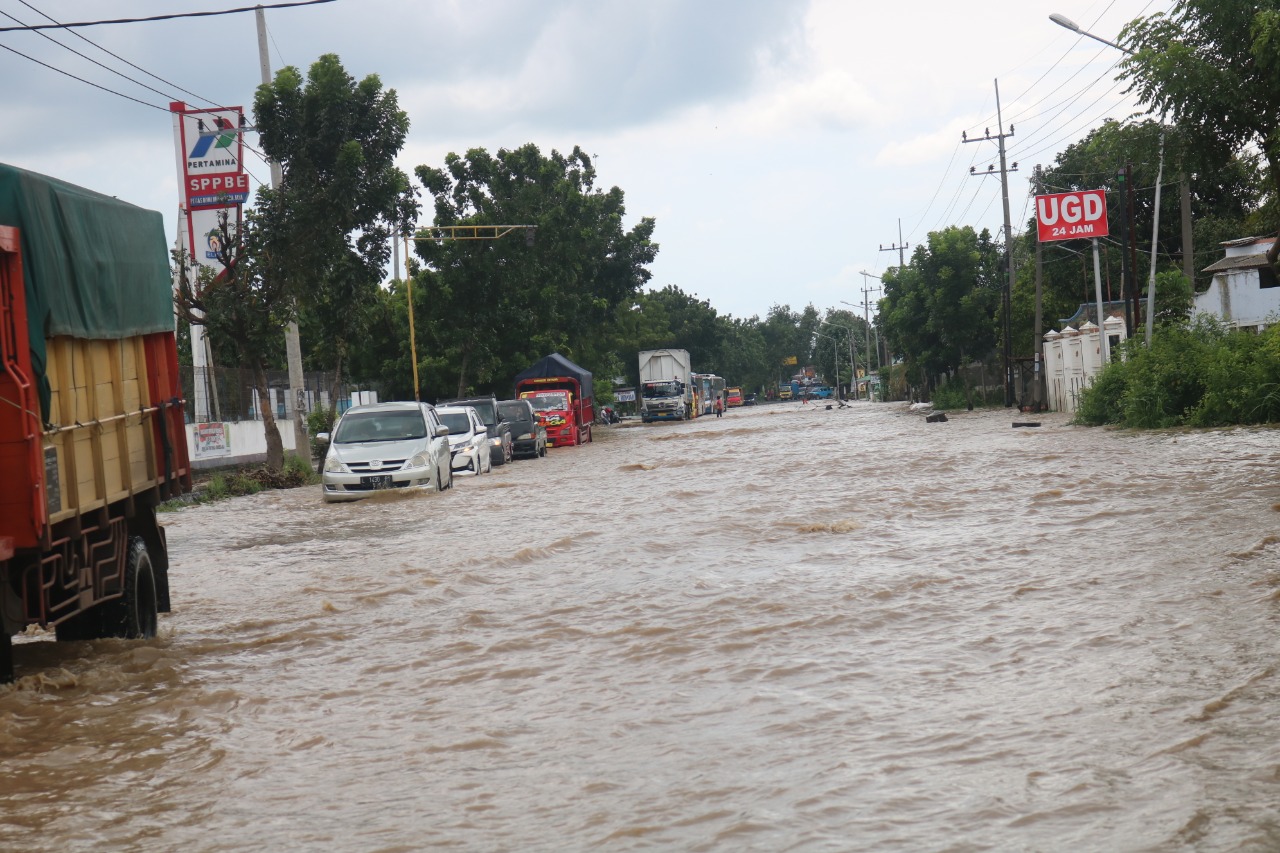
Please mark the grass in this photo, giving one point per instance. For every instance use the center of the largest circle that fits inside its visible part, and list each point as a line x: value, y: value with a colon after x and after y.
x: 222, y: 485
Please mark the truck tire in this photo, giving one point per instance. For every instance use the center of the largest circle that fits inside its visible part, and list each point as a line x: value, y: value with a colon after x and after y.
x: 133, y: 616
x: 6, y: 657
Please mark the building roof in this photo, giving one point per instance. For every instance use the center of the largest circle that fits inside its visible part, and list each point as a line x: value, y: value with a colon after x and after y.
x: 1238, y: 262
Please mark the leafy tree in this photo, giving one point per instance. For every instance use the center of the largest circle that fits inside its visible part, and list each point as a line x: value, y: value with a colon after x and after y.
x: 943, y: 307
x: 325, y: 230
x: 497, y: 305
x: 1213, y: 67
x: 242, y: 306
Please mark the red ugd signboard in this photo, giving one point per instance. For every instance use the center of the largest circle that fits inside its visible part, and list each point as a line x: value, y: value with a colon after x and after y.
x: 1070, y: 216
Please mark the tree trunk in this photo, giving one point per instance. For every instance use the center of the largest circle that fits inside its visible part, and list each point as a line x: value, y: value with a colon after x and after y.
x: 462, y: 372
x: 275, y: 444
x: 336, y: 384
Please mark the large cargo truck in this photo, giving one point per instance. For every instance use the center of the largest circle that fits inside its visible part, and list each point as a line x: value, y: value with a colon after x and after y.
x: 667, y: 390
x: 561, y: 394
x: 92, y: 435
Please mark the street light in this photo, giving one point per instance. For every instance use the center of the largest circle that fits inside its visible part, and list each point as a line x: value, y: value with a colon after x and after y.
x: 1064, y: 21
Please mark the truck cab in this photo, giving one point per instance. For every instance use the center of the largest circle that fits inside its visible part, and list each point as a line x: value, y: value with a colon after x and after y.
x: 663, y: 400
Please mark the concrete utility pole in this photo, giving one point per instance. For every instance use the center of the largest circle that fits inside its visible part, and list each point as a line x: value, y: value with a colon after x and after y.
x: 292, y: 341
x: 900, y: 247
x: 1008, y: 238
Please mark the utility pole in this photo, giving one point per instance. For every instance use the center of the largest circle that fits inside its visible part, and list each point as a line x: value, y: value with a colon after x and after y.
x: 1037, y: 390
x: 292, y: 341
x: 900, y: 247
x: 1008, y: 237
x: 1126, y: 283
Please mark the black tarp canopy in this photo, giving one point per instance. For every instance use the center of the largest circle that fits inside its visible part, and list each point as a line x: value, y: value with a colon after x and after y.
x: 557, y: 365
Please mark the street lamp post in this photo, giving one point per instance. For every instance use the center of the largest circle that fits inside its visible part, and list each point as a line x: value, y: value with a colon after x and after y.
x: 1064, y: 21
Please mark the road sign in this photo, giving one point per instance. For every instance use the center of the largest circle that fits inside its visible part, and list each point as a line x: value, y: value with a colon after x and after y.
x: 1070, y: 216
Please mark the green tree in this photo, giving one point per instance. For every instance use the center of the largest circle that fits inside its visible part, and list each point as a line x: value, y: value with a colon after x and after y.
x: 241, y: 306
x: 943, y: 307
x: 1213, y: 67
x: 325, y: 230
x: 497, y: 305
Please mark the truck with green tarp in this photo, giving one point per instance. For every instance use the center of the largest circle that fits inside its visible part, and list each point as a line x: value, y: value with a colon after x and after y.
x: 92, y: 433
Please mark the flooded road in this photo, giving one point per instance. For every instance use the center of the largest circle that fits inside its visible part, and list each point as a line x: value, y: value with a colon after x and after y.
x: 787, y: 629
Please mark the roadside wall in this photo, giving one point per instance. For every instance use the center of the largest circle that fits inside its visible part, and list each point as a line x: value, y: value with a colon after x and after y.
x: 220, y: 445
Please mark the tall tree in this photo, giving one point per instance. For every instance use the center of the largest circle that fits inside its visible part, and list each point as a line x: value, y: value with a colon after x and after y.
x: 326, y: 229
x: 942, y: 308
x: 498, y: 304
x: 1213, y: 67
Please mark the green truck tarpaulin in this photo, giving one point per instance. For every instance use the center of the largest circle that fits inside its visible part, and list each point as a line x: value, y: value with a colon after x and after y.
x: 94, y: 266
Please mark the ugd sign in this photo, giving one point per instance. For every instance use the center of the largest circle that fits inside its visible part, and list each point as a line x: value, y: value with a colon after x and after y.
x: 1070, y: 216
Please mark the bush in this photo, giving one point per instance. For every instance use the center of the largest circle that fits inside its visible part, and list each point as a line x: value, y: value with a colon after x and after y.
x: 953, y: 394
x: 319, y: 419
x: 1200, y: 375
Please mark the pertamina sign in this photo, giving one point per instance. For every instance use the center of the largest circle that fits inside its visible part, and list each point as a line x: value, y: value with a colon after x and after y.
x: 212, y: 152
x: 1071, y: 216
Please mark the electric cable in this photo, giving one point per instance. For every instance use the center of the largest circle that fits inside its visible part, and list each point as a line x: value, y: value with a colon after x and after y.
x: 120, y: 58
x: 169, y: 17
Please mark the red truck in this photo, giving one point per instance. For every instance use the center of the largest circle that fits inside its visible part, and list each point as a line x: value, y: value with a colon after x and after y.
x: 92, y: 435
x: 560, y: 392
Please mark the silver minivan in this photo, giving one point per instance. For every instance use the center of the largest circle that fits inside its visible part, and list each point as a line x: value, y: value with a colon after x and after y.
x: 385, y: 446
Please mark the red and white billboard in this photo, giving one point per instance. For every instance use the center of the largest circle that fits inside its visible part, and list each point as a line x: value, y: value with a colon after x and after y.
x: 1071, y: 216
x: 210, y: 156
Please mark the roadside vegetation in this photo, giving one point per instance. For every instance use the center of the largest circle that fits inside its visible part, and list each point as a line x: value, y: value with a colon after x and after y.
x: 247, y: 481
x: 1200, y: 375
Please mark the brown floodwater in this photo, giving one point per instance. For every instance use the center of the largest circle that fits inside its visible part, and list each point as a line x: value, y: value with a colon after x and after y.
x: 791, y: 628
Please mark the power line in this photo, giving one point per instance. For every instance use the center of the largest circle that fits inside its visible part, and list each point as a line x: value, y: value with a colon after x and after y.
x: 82, y: 80
x: 89, y: 59
x: 162, y: 17
x: 118, y: 57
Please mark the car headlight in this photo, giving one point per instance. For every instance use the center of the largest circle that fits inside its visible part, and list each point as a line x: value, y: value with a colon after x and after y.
x: 333, y: 465
x: 496, y: 442
x: 419, y: 460
x: 525, y: 437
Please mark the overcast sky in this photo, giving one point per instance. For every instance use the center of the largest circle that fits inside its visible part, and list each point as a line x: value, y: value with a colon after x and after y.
x: 777, y: 142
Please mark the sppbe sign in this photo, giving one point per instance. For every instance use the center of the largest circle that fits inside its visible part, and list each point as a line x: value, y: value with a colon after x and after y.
x: 1070, y: 216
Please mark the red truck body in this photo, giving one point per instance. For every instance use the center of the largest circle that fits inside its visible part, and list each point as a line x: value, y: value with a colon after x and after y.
x: 569, y: 423
x: 92, y: 434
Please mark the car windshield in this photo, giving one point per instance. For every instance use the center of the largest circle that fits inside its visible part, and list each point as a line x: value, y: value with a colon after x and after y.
x: 513, y: 411
x: 550, y: 402
x: 485, y: 411
x: 358, y: 427
x: 457, y: 422
x: 662, y: 389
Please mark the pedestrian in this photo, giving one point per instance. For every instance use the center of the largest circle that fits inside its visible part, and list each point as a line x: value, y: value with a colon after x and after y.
x: 719, y: 407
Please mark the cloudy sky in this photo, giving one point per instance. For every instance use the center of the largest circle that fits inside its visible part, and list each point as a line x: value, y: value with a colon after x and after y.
x: 778, y: 143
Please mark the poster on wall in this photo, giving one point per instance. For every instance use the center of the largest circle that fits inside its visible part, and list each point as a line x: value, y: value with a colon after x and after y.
x: 212, y: 440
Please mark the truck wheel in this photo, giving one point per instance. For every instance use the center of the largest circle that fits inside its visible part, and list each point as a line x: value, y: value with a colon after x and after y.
x: 6, y: 656
x: 133, y: 615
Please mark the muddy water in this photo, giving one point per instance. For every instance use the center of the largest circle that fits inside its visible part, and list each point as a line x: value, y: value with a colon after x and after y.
x: 785, y: 629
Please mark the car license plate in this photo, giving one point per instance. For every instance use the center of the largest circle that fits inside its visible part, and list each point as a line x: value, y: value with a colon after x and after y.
x: 379, y: 482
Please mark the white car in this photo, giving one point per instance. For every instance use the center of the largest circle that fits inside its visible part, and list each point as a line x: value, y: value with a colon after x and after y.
x: 385, y: 446
x: 468, y: 439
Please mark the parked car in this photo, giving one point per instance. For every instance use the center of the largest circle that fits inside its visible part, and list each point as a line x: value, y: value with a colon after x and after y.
x: 385, y: 446
x: 732, y: 397
x: 468, y: 439
x: 749, y: 399
x: 500, y: 449
x: 528, y: 436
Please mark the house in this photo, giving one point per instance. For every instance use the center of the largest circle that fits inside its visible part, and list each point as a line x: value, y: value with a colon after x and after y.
x: 1244, y: 292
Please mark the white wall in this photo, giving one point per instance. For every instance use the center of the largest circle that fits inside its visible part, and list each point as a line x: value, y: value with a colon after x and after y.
x: 245, y: 443
x: 1235, y: 296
